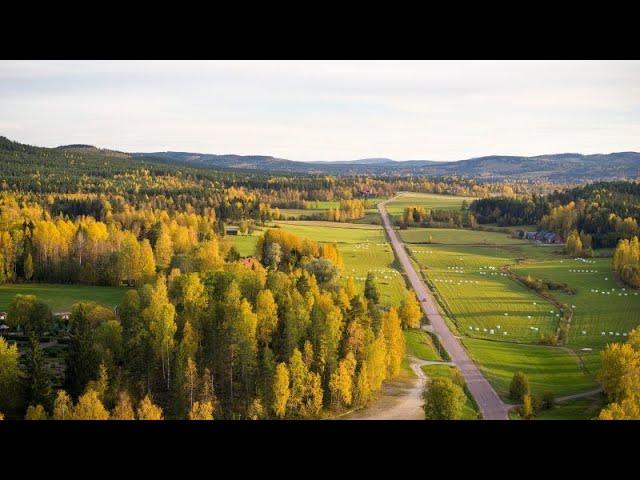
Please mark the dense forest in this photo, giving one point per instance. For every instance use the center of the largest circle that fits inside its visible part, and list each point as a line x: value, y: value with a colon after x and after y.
x: 607, y: 211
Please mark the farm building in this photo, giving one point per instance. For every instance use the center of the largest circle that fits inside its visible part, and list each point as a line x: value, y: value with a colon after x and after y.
x: 231, y: 230
x: 543, y: 236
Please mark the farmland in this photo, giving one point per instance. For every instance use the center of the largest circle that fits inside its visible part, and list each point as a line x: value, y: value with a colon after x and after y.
x: 430, y: 201
x: 549, y: 368
x: 363, y: 248
x: 457, y: 236
x: 604, y: 311
x: 321, y: 207
x: 480, y: 298
x: 61, y: 297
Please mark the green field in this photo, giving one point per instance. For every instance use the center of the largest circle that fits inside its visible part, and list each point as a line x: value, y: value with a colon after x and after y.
x: 420, y: 345
x: 429, y: 201
x: 61, y: 297
x: 604, y: 311
x: 469, y: 411
x: 482, y: 300
x: 245, y: 244
x: 579, y: 409
x: 321, y: 207
x: 552, y: 369
x: 364, y: 249
x: 453, y: 236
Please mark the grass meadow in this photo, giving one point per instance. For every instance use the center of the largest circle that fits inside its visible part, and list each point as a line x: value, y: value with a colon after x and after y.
x: 60, y: 298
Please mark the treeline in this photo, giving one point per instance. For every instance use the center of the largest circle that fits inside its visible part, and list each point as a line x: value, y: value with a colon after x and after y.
x: 127, y: 247
x: 508, y: 211
x: 607, y: 211
x: 348, y: 210
x: 242, y: 340
x: 626, y: 261
x: 421, y: 217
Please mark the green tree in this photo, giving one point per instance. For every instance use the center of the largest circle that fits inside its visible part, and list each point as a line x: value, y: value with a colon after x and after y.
x: 82, y: 358
x: 160, y: 317
x: 443, y: 400
x: 519, y: 386
x: 10, y: 377
x: 371, y: 291
x: 30, y: 314
x: 37, y: 375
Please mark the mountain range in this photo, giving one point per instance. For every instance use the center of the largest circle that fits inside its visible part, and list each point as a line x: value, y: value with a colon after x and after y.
x: 563, y: 167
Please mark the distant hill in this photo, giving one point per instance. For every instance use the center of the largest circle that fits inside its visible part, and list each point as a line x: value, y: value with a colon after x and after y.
x: 564, y: 167
x: 561, y: 168
x: 80, y: 148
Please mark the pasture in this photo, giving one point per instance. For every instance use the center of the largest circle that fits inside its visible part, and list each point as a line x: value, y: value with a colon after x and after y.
x: 553, y: 369
x: 603, y: 312
x: 481, y: 299
x: 60, y: 298
x: 244, y: 244
x: 429, y: 201
x: 457, y: 236
x: 363, y: 248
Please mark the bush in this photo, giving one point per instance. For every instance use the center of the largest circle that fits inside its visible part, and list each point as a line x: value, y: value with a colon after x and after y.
x: 519, y: 387
x: 443, y: 400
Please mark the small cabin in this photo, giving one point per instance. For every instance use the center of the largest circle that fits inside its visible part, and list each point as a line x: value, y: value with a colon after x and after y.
x: 231, y: 230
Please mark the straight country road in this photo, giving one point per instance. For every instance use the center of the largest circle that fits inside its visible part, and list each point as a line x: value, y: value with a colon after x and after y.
x: 490, y: 405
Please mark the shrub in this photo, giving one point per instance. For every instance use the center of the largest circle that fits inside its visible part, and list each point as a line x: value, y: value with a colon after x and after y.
x: 519, y: 387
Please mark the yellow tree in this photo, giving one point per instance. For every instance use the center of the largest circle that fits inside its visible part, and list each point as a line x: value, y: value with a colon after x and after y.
x: 395, y: 341
x: 267, y: 314
x: 341, y: 382
x: 147, y: 410
x: 164, y: 248
x: 89, y: 407
x: 410, y: 313
x: 124, y: 408
x: 160, y: 317
x: 36, y: 413
x: 201, y: 411
x: 618, y: 360
x: 62, y: 406
x: 147, y: 261
x: 281, y: 390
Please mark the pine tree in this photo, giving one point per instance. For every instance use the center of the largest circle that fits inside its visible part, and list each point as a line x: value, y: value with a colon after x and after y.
x: 38, y: 377
x: 371, y: 291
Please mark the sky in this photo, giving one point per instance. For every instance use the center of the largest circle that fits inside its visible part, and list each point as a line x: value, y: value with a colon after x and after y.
x: 326, y: 110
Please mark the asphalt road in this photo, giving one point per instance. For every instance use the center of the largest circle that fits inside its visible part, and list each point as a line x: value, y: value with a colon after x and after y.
x: 488, y: 401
